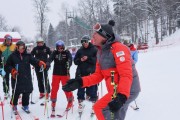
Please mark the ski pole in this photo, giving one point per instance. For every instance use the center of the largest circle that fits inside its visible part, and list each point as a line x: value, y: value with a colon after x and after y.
x: 136, y: 105
x: 32, y: 83
x: 115, y: 91
x: 4, y: 79
x: 12, y: 100
x: 46, y: 107
x: 2, y: 108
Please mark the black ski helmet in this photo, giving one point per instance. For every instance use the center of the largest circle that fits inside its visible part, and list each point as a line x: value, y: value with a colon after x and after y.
x: 20, y: 43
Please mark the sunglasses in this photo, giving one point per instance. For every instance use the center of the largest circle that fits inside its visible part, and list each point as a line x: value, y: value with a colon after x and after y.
x: 84, y: 41
x: 99, y: 30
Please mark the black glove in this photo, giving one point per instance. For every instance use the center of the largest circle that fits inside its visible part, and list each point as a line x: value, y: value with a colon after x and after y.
x: 73, y: 84
x: 117, y: 102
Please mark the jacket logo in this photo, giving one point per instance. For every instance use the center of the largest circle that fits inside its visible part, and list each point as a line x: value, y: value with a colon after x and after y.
x: 36, y: 51
x: 120, y: 53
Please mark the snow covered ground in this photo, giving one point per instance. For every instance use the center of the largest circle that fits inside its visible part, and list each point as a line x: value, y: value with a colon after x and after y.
x: 159, y: 100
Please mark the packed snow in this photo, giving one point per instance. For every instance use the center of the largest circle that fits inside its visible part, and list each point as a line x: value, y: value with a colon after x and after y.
x: 159, y: 99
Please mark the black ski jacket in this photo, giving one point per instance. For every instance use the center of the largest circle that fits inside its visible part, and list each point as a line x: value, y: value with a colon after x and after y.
x: 41, y: 52
x: 62, y: 62
x: 24, y: 79
x: 86, y: 67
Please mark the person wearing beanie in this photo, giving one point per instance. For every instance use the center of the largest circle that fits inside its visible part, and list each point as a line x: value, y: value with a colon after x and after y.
x: 85, y: 59
x: 115, y: 66
x: 6, y: 50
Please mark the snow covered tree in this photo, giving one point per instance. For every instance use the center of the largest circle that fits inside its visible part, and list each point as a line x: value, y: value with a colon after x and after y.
x: 51, y: 36
x: 3, y: 24
x: 41, y: 9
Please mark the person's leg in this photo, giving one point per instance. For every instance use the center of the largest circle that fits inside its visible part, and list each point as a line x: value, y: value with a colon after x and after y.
x: 25, y: 99
x: 55, y: 87
x: 69, y: 95
x: 100, y: 105
x: 121, y: 114
x: 80, y: 94
x: 6, y: 83
x: 14, y: 99
x: 40, y: 81
x: 92, y: 91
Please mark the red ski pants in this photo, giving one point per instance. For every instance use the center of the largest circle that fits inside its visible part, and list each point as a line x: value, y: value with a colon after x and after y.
x: 100, y: 105
x: 56, y: 79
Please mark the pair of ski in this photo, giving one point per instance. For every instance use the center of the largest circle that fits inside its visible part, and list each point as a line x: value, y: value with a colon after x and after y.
x: 18, y: 116
x: 65, y: 113
x: 81, y: 112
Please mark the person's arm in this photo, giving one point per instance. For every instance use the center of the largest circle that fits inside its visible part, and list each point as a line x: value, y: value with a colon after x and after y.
x: 33, y: 52
x: 123, y: 58
x: 77, y: 58
x: 51, y: 57
x: 69, y: 58
x: 92, y: 59
x: 49, y: 52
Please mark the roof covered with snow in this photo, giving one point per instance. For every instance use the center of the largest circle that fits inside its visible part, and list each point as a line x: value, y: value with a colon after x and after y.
x: 15, y: 35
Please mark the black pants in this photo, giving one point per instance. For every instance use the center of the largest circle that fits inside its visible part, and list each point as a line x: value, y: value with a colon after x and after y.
x: 41, y: 80
x: 25, y: 98
x: 90, y: 91
x: 6, y: 83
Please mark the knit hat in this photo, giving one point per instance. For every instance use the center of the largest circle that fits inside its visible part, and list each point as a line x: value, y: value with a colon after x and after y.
x: 105, y: 30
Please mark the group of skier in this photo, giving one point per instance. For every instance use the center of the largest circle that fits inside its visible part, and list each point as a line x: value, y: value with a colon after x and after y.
x: 105, y: 59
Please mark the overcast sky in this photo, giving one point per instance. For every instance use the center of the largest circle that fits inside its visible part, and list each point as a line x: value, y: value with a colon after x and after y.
x: 20, y: 13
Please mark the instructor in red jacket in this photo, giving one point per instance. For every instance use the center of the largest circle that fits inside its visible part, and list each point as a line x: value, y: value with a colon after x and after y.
x: 111, y: 56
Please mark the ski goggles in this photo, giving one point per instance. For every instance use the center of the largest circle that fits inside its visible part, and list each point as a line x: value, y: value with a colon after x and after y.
x: 97, y: 27
x: 84, y: 41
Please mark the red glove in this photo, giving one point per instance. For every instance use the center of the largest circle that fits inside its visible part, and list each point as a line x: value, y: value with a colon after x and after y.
x: 42, y: 63
x: 14, y: 72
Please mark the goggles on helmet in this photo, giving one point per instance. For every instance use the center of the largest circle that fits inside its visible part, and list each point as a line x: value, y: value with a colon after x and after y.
x: 97, y: 27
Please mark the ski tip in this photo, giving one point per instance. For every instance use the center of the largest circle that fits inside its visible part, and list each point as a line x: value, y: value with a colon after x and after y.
x: 32, y: 102
x: 59, y: 116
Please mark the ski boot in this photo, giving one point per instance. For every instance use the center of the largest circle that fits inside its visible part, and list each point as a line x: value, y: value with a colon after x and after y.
x: 81, y: 107
x: 26, y: 109
x: 14, y: 108
x: 41, y: 95
x: 69, y: 105
x: 53, y: 104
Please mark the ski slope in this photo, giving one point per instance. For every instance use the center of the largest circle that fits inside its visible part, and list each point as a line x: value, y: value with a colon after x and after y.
x: 159, y: 99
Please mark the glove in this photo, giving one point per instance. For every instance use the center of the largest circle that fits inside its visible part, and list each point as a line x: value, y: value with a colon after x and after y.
x: 2, y: 72
x: 117, y: 102
x: 73, y: 84
x: 41, y: 63
x: 14, y: 72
